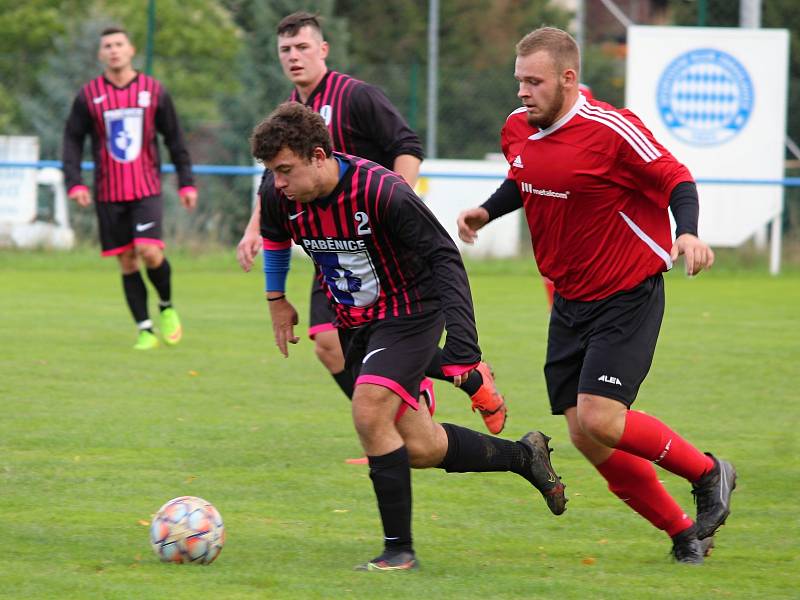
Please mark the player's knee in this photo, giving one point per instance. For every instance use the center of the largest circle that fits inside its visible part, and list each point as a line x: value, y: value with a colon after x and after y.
x: 422, y: 453
x: 366, y: 423
x: 592, y: 423
x: 369, y: 419
x: 600, y: 418
x: 128, y: 262
x: 329, y: 353
x: 152, y: 256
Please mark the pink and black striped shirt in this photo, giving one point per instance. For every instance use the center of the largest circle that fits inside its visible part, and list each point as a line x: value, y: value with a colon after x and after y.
x: 123, y: 123
x: 362, y: 120
x: 380, y: 252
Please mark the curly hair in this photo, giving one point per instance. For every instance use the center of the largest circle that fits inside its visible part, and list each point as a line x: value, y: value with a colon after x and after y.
x: 292, y: 125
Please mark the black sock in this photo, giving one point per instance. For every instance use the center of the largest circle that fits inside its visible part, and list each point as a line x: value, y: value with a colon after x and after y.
x: 434, y: 369
x: 391, y: 478
x: 344, y: 379
x: 472, y: 452
x: 160, y: 278
x: 136, y: 295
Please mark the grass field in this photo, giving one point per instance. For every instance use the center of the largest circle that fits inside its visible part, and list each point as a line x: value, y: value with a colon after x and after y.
x: 94, y: 438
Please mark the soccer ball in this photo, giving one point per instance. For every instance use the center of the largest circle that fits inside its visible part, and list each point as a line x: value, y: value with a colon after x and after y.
x: 187, y: 530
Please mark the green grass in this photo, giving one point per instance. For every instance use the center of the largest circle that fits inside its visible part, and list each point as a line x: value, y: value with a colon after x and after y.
x: 94, y: 438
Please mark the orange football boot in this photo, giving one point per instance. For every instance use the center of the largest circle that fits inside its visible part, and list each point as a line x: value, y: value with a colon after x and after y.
x: 489, y: 402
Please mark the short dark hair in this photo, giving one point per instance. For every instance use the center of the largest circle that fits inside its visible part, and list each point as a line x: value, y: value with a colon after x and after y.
x: 114, y: 29
x: 291, y: 24
x: 558, y: 43
x: 292, y: 125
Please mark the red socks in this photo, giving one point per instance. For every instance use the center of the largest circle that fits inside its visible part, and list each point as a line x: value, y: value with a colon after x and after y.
x: 649, y: 438
x: 634, y: 481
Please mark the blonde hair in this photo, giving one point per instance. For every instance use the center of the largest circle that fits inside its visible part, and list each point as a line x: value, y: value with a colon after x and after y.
x: 560, y: 45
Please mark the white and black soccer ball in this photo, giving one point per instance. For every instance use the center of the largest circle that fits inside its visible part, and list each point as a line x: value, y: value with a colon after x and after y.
x: 187, y: 529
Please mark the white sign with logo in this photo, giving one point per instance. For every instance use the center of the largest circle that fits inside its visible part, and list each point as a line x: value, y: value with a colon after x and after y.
x: 18, y: 185
x: 716, y: 98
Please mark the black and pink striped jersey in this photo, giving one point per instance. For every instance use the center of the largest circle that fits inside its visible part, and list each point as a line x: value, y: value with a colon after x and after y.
x: 123, y: 123
x: 362, y: 120
x: 380, y: 252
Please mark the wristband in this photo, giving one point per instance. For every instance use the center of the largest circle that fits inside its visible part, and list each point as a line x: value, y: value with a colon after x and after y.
x: 281, y: 297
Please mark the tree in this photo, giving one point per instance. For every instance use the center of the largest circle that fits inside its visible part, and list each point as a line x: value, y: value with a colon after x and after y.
x: 476, y: 56
x: 27, y: 33
x: 261, y: 86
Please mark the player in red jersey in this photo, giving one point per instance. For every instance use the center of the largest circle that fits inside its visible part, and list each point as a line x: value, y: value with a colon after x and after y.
x: 600, y: 230
x: 396, y: 281
x: 362, y: 122
x: 123, y: 110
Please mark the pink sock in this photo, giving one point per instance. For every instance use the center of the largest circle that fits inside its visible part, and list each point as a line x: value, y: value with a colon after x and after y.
x: 634, y: 481
x: 649, y: 438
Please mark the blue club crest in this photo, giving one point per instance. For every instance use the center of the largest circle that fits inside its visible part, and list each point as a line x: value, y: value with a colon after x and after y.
x: 705, y: 97
x: 124, y: 133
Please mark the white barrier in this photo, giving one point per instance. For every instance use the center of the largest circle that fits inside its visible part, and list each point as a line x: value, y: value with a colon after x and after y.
x: 19, y: 195
x: 450, y: 186
x: 18, y: 186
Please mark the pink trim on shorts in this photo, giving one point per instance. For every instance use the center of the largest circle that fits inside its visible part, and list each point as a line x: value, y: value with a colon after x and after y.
x: 270, y: 245
x: 77, y: 188
x: 116, y: 251
x: 187, y: 188
x: 425, y: 386
x: 315, y: 329
x: 146, y: 241
x: 392, y: 385
x: 453, y: 370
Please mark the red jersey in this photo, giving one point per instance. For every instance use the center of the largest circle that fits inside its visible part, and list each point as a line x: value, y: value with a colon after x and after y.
x: 595, y: 186
x: 123, y: 123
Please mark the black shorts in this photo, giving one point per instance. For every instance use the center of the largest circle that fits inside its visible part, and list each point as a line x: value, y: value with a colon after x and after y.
x: 393, y: 353
x: 605, y: 347
x: 124, y: 225
x: 321, y: 312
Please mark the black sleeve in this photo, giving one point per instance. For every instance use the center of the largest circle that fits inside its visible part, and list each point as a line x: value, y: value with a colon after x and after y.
x: 413, y: 223
x: 167, y: 124
x: 376, y: 114
x: 504, y: 200
x: 273, y: 219
x: 78, y: 124
x: 685, y: 207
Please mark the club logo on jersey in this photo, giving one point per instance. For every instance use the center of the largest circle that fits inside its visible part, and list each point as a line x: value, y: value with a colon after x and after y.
x: 144, y: 99
x: 705, y: 97
x: 326, y: 112
x: 348, y: 274
x: 124, y: 133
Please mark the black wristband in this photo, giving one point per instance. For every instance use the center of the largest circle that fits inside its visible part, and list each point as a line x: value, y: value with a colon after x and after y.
x: 281, y: 297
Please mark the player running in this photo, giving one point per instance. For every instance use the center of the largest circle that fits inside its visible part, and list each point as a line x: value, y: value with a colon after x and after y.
x: 397, y: 281
x: 600, y: 229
